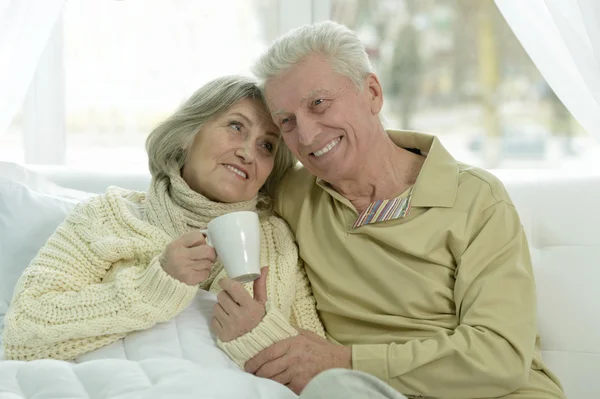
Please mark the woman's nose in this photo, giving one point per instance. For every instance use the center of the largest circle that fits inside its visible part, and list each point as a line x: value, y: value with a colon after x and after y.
x: 245, y: 154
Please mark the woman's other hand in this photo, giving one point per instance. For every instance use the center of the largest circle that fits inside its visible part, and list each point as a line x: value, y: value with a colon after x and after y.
x: 188, y: 258
x: 236, y: 312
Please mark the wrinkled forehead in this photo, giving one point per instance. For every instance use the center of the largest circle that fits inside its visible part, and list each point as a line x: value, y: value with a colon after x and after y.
x: 293, y: 84
x: 256, y: 111
x: 278, y: 90
x: 301, y: 83
x: 287, y: 94
x: 265, y: 120
x: 267, y: 124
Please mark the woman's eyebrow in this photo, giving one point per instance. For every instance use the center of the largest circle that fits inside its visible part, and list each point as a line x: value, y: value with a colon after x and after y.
x: 242, y: 116
x: 273, y: 134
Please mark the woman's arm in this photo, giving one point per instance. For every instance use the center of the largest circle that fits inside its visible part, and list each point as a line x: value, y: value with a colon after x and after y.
x: 304, y: 309
x: 61, y: 306
x: 286, y: 277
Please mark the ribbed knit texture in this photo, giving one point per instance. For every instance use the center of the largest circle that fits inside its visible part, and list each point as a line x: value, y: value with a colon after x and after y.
x: 98, y: 277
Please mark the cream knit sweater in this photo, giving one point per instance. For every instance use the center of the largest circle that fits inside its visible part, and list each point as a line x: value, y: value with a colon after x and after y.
x: 98, y: 277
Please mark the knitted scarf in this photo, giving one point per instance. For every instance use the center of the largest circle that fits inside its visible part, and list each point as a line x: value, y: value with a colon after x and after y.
x: 174, y: 207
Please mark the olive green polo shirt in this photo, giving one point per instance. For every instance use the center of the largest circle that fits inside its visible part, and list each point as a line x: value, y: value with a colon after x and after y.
x: 438, y: 303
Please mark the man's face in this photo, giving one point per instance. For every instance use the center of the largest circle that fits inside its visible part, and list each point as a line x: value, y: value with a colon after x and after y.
x: 324, y: 120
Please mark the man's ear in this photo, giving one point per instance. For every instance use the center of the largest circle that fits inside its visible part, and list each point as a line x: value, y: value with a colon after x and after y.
x: 375, y: 93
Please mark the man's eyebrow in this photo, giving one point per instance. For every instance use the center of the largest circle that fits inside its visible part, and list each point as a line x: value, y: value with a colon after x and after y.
x: 312, y: 93
x: 278, y: 112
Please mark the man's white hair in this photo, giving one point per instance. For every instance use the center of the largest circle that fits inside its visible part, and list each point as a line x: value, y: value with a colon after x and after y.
x: 337, y: 43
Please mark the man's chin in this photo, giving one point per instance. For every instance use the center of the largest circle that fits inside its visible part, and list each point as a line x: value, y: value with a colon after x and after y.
x: 329, y: 174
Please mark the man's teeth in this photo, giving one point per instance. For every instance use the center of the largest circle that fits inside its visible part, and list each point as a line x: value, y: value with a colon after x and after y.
x: 327, y: 148
x: 236, y: 170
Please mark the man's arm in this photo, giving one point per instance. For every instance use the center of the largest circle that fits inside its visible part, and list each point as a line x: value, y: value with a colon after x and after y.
x: 490, y: 352
x: 291, y: 193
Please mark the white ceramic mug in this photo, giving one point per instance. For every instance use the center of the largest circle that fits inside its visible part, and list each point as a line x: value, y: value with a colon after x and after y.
x: 236, y: 239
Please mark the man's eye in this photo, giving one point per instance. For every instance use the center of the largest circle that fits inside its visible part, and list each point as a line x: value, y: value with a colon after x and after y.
x: 318, y: 102
x: 287, y: 124
x: 235, y: 125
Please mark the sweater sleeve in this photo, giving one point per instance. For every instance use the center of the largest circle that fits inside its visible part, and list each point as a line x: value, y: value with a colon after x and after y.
x: 275, y: 327
x: 304, y: 309
x: 62, y: 308
x: 490, y: 352
x: 301, y: 307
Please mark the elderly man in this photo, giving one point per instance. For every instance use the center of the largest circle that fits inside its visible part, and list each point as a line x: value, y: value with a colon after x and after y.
x: 418, y: 263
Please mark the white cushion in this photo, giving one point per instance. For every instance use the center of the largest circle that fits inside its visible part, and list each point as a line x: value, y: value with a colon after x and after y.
x: 93, y: 181
x: 562, y: 223
x: 31, y: 209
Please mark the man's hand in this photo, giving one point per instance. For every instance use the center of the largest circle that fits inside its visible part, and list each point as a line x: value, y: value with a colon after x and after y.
x: 295, y: 361
x: 236, y: 312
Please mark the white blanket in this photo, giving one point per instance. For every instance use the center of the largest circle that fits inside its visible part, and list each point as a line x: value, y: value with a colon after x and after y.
x: 178, y: 359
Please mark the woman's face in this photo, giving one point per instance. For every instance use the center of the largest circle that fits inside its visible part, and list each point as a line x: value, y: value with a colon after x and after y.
x: 233, y: 154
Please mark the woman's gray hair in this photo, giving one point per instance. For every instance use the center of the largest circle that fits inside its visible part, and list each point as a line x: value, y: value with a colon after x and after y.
x: 167, y: 145
x: 340, y: 45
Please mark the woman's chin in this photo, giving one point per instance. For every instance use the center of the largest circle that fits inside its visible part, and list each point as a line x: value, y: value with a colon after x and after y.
x: 229, y: 196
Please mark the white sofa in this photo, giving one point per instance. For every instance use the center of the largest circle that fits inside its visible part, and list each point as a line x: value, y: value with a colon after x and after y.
x: 558, y: 211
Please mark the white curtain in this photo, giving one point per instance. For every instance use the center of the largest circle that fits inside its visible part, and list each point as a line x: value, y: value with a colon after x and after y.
x: 25, y: 26
x: 562, y: 37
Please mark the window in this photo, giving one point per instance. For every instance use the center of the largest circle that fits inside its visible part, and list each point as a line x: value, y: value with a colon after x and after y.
x: 448, y: 67
x: 129, y: 64
x: 455, y: 69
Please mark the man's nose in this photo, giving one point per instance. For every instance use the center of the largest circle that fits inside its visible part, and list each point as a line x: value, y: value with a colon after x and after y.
x: 308, y: 130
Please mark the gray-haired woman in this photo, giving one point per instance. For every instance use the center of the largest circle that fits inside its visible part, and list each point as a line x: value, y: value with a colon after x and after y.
x: 127, y: 260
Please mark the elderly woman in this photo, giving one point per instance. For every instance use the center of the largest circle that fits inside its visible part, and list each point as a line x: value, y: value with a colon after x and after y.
x: 125, y: 261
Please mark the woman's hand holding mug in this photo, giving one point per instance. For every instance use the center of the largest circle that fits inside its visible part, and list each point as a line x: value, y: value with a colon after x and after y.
x: 236, y: 312
x: 188, y: 258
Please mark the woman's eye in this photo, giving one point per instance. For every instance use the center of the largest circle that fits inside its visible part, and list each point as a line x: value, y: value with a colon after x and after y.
x: 284, y: 121
x: 268, y: 146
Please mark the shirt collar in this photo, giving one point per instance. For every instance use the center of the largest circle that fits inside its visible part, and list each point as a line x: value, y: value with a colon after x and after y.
x: 437, y: 183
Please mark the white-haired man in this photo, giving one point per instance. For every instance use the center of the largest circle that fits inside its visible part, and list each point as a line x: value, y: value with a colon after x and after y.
x: 419, y: 263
